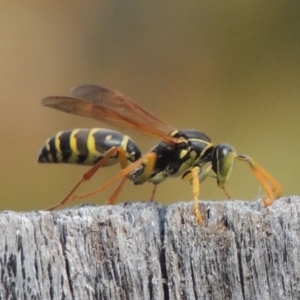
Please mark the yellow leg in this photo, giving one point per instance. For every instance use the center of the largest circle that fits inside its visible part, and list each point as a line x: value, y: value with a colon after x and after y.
x: 196, y: 191
x: 196, y: 175
x: 121, y: 175
x: 91, y: 172
x: 148, y: 170
x: 113, y: 198
x: 202, y: 174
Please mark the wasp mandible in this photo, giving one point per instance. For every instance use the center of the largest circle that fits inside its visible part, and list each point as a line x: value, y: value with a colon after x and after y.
x: 186, y: 153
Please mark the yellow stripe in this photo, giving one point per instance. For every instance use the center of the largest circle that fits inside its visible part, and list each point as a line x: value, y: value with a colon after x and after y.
x: 125, y: 143
x: 47, y: 146
x: 91, y: 145
x: 73, y: 143
x: 57, y: 146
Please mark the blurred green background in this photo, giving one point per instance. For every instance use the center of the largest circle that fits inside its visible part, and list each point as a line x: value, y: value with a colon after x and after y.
x: 228, y: 68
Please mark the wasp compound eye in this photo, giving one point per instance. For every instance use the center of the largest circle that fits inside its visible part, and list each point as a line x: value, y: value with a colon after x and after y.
x: 222, y: 161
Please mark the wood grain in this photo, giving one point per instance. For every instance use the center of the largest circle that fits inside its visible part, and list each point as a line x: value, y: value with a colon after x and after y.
x: 150, y: 251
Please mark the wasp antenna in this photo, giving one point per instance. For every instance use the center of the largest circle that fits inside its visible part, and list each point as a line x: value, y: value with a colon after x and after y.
x: 271, y: 185
x: 271, y: 196
x: 277, y: 188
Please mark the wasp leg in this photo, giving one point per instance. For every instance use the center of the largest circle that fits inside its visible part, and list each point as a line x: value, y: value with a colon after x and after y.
x: 124, y: 163
x: 196, y: 190
x: 149, y: 167
x: 91, y: 172
x: 202, y: 175
x: 146, y: 172
x: 196, y: 175
x: 123, y: 174
x: 225, y: 191
x: 151, y: 159
x: 271, y: 185
x: 153, y: 193
x: 113, y: 198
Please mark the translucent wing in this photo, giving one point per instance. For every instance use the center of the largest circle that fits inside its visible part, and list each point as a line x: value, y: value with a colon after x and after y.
x: 110, y: 107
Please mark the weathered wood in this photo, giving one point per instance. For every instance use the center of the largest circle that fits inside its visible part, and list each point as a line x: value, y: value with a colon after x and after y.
x: 148, y: 251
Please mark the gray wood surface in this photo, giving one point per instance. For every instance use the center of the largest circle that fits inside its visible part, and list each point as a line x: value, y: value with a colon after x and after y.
x: 150, y: 251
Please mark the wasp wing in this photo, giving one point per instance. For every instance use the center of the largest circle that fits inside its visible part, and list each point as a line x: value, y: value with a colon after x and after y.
x: 110, y: 107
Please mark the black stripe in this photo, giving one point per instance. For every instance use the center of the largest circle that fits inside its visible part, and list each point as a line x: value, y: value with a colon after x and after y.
x: 64, y: 145
x: 52, y: 149
x: 44, y: 155
x: 82, y: 145
x: 102, y: 144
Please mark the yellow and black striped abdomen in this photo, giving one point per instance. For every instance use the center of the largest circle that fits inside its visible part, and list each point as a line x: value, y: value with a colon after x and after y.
x: 87, y: 147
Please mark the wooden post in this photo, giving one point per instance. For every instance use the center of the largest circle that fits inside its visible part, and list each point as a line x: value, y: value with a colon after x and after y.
x: 149, y: 251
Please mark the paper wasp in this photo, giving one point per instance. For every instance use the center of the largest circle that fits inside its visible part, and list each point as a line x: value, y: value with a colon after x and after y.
x: 186, y: 153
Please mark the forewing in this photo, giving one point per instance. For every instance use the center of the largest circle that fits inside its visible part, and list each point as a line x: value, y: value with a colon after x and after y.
x: 110, y: 107
x: 122, y: 104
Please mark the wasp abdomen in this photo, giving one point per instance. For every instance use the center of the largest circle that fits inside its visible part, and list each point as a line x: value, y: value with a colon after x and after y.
x: 87, y: 147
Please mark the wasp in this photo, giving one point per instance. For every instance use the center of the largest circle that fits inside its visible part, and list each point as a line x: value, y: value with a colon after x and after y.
x: 187, y: 153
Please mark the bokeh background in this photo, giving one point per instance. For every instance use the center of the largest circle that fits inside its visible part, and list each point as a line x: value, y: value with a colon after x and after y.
x: 230, y: 69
